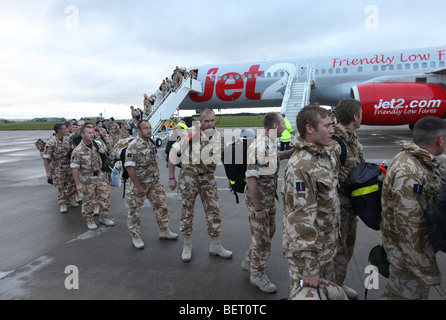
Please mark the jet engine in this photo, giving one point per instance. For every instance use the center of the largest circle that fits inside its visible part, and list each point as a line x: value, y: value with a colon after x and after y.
x: 397, y: 103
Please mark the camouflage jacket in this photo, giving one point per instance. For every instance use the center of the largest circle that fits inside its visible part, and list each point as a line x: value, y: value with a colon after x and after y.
x: 414, y: 179
x: 125, y: 130
x: 114, y: 129
x: 58, y: 151
x: 354, y: 155
x: 311, y: 218
x: 141, y: 155
x: 205, y: 153
x: 87, y: 159
x: 263, y: 163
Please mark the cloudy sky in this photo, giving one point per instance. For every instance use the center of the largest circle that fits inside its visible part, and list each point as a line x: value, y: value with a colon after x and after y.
x: 79, y: 58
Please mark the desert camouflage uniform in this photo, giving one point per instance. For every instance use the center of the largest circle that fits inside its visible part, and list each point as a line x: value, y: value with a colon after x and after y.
x: 141, y: 155
x: 125, y: 131
x: 135, y: 114
x: 349, y: 218
x: 58, y: 152
x: 197, y: 177
x: 266, y: 172
x: 97, y: 186
x: 115, y: 133
x: 413, y: 180
x: 147, y: 106
x: 311, y: 220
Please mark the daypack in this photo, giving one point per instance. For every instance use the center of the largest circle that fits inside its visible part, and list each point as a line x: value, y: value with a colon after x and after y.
x: 364, y: 185
x: 235, y: 163
x: 436, y: 220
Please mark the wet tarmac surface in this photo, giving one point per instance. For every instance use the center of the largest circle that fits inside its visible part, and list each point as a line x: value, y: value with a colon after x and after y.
x: 40, y: 247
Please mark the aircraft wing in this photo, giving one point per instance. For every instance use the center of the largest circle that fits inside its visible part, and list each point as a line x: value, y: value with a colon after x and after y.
x: 439, y: 71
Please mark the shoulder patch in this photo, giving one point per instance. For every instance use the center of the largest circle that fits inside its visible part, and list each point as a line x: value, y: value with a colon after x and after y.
x: 417, y: 190
x: 301, y: 190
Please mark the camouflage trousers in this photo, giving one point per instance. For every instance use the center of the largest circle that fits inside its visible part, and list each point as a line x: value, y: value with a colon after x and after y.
x: 189, y: 187
x: 402, y: 284
x: 63, y: 181
x: 156, y: 195
x: 327, y: 290
x: 262, y: 232
x: 96, y: 190
x: 349, y: 221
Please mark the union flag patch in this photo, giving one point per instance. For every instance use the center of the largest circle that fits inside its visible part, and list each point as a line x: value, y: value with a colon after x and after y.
x: 417, y: 190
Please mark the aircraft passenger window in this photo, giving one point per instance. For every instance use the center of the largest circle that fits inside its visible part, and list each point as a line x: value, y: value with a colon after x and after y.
x: 282, y: 73
x: 330, y: 71
x: 399, y: 67
x: 360, y: 69
x: 338, y: 70
x: 383, y: 68
x: 407, y: 66
x: 316, y: 71
x: 237, y: 76
x: 391, y: 67
x: 269, y: 75
x: 375, y: 68
x: 441, y: 63
x: 345, y: 70
x: 275, y: 74
x: 225, y: 77
x: 323, y: 71
x: 433, y: 64
x: 415, y: 65
x: 424, y: 64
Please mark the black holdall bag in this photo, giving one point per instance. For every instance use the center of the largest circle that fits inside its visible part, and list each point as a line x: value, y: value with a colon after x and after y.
x: 364, y: 184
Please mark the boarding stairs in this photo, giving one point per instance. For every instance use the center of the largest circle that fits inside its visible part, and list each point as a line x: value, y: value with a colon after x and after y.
x: 164, y: 108
x: 297, y: 92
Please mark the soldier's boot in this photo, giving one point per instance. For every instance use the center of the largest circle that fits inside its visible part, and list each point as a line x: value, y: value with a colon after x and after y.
x: 137, y: 242
x: 262, y: 282
x: 351, y: 294
x: 73, y: 203
x: 187, y: 249
x: 167, y: 235
x: 63, y: 208
x: 216, y: 249
x: 91, y: 224
x: 107, y: 222
x: 246, y: 266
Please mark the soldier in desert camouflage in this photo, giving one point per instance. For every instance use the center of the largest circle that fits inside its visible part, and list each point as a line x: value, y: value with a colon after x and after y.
x: 348, y: 112
x: 58, y: 150
x: 142, y: 167
x: 414, y: 179
x: 261, y: 178
x: 311, y: 217
x: 201, y: 150
x: 90, y: 180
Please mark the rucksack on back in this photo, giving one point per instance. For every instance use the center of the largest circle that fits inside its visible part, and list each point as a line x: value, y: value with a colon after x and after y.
x: 235, y: 163
x: 364, y: 185
x: 436, y: 220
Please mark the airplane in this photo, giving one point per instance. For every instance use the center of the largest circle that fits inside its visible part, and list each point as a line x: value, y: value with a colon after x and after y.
x: 395, y: 87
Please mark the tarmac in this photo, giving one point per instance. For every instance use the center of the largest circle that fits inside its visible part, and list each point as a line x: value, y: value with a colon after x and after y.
x: 46, y: 255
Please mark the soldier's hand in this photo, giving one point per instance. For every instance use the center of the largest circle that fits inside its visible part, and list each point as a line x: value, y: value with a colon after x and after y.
x: 80, y: 188
x: 172, y: 184
x: 311, y: 281
x: 230, y: 186
x: 261, y: 215
x: 140, y: 191
x: 49, y: 175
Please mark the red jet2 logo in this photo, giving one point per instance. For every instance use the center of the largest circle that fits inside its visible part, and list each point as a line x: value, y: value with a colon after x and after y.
x: 237, y: 85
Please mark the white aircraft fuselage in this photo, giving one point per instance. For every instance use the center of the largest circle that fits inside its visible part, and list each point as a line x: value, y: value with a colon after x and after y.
x: 387, y: 83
